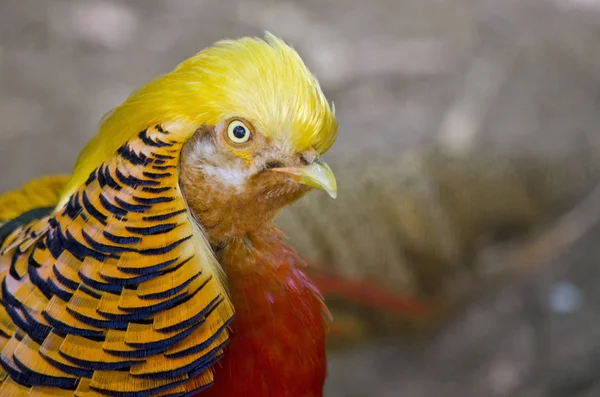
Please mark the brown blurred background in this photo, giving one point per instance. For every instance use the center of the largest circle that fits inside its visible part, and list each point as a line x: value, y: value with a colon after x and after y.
x: 463, y: 87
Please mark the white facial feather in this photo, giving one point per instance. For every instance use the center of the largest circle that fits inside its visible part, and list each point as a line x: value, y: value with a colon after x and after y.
x: 229, y: 174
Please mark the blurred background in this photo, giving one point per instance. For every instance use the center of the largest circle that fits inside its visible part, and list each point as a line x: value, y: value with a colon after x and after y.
x: 461, y: 256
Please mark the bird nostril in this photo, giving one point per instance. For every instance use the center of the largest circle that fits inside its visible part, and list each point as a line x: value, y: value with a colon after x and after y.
x: 273, y: 164
x: 304, y: 160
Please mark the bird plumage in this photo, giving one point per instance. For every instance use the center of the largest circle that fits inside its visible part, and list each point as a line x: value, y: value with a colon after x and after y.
x: 129, y: 286
x: 41, y: 192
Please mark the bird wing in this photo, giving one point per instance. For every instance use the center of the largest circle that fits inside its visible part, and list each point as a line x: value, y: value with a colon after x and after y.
x: 38, y: 193
x: 117, y: 292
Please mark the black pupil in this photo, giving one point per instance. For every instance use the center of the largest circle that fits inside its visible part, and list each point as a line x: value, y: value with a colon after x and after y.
x: 239, y: 132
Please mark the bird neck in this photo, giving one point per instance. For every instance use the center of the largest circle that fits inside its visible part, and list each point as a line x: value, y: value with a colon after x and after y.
x: 263, y: 250
x: 225, y: 220
x: 226, y: 214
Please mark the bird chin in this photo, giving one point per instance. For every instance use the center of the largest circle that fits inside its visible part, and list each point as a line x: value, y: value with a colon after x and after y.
x: 284, y: 194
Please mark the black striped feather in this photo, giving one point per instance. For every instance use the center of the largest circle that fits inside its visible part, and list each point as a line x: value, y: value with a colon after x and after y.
x: 109, y: 296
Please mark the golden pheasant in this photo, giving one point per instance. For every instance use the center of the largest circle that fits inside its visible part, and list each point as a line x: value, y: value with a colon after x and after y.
x: 157, y: 270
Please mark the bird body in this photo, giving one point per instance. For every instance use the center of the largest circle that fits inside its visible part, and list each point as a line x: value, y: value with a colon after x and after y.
x: 275, y: 302
x: 160, y: 272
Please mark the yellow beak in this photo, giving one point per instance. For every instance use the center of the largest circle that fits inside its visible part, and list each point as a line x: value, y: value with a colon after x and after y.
x: 317, y: 175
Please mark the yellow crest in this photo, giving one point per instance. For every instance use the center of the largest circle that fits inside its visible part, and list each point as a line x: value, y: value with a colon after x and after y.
x: 264, y: 81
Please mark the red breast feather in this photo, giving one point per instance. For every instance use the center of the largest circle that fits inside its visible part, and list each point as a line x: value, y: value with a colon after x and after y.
x: 278, y: 342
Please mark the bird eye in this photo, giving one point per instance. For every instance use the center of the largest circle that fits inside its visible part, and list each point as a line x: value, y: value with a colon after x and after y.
x: 237, y: 132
